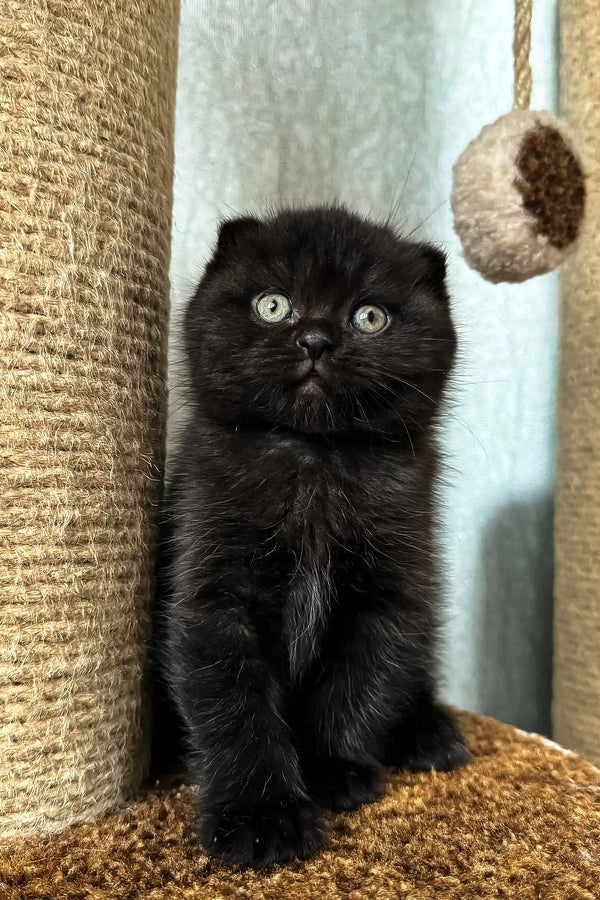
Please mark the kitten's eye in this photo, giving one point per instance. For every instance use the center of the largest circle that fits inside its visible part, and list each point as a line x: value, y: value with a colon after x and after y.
x: 369, y: 319
x: 273, y: 307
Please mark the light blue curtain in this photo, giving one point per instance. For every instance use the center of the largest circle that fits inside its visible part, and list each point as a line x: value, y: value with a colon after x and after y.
x: 371, y: 103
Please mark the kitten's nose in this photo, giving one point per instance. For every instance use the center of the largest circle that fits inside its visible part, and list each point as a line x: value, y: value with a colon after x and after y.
x: 314, y: 343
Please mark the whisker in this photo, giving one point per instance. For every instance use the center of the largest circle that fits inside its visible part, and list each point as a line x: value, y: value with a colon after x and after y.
x: 427, y: 218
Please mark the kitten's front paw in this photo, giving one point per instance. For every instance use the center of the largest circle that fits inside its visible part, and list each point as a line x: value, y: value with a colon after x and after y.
x: 342, y: 785
x: 430, y: 739
x: 262, y: 834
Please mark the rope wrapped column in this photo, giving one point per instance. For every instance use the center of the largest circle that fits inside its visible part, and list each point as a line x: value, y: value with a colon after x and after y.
x: 86, y: 136
x: 577, y: 548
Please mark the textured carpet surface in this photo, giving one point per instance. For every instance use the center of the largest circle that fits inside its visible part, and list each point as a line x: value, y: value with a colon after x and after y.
x: 522, y: 820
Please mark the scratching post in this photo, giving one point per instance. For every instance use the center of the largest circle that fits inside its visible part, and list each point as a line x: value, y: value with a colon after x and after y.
x: 86, y: 131
x: 577, y: 615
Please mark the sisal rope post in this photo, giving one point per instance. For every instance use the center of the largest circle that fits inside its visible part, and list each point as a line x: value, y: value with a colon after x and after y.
x: 576, y: 711
x: 521, y: 49
x: 86, y: 130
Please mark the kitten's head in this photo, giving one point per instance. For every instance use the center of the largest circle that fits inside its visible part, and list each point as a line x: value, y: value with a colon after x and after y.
x: 322, y: 322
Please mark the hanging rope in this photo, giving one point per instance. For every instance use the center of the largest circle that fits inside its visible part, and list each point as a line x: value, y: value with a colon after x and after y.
x: 521, y: 47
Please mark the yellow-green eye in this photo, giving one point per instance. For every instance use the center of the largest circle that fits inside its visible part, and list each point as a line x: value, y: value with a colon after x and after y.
x: 369, y: 319
x: 273, y: 307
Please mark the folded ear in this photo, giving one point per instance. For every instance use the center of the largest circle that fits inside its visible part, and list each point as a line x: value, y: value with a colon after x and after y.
x: 434, y: 268
x: 233, y: 231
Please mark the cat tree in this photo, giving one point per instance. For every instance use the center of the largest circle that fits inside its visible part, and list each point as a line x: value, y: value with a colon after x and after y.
x: 86, y: 114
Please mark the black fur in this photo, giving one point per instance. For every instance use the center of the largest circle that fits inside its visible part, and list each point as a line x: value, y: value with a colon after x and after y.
x: 301, y: 591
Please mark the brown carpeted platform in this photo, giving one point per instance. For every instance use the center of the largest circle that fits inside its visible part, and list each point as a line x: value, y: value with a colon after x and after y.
x: 521, y: 821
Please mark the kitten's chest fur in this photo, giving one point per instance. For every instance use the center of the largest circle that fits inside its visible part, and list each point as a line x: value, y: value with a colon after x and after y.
x: 313, y: 498
x: 314, y: 528
x: 319, y: 509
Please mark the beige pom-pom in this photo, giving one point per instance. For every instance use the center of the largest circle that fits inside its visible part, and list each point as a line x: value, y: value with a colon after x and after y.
x: 518, y: 196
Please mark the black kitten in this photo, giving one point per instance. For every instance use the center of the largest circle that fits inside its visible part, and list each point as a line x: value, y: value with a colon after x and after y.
x: 301, y: 590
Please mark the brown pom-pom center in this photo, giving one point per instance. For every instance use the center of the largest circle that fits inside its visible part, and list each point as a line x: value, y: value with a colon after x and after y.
x: 552, y: 185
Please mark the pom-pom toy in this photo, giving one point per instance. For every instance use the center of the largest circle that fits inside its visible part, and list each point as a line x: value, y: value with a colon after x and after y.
x: 518, y: 191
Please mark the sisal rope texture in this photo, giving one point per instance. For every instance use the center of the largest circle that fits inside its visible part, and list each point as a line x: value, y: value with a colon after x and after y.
x: 86, y: 128
x: 577, y: 532
x: 521, y: 48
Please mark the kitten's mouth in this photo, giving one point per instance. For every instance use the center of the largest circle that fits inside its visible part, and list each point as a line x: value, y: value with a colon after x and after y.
x: 312, y: 380
x: 311, y: 386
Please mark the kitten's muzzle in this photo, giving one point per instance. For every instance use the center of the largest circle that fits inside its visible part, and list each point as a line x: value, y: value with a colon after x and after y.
x: 313, y: 376
x: 314, y: 343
